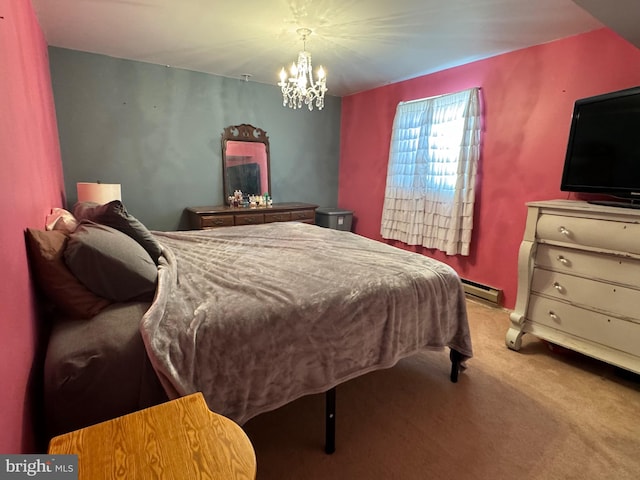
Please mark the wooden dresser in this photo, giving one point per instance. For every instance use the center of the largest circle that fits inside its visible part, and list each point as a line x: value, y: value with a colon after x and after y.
x: 203, y: 218
x: 579, y: 280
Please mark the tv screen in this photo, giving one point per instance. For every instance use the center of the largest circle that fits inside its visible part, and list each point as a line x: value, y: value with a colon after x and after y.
x: 603, y: 153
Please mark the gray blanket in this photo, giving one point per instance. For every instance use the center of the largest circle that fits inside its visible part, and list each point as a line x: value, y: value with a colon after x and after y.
x: 257, y: 316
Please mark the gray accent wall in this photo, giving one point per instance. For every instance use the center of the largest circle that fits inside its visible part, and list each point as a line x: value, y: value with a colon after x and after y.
x: 156, y: 131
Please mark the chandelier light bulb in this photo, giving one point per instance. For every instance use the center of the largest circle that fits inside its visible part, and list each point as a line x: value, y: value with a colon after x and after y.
x: 301, y: 88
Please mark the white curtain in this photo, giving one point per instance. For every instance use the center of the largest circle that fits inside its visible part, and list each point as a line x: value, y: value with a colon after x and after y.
x: 429, y: 196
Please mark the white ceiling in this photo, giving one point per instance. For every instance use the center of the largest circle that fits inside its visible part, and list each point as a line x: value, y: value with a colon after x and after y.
x: 619, y: 15
x: 361, y: 44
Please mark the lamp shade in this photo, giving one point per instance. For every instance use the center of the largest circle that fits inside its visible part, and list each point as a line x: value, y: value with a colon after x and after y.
x: 98, y: 192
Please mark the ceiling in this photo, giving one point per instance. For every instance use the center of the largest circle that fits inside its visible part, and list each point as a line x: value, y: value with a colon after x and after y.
x: 619, y: 15
x: 361, y: 44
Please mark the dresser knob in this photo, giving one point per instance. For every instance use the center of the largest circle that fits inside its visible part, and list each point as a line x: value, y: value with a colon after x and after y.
x: 553, y: 316
x: 562, y: 260
x: 558, y: 287
x: 564, y: 231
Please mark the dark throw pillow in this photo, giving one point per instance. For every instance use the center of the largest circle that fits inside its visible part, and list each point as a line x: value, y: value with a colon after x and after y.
x: 115, y: 215
x: 62, y: 288
x: 110, y: 263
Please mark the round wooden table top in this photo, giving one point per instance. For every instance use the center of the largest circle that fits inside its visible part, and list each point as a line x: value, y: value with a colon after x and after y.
x: 180, y: 439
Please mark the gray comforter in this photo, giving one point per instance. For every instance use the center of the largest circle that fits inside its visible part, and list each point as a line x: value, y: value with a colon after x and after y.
x: 257, y: 316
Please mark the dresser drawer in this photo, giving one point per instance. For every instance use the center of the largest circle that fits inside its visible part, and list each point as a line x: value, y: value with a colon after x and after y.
x: 226, y: 216
x: 593, y: 326
x: 589, y: 232
x: 606, y: 298
x: 597, y: 266
x: 579, y: 280
x: 304, y: 215
x: 215, y: 221
x: 250, y: 219
x: 277, y: 217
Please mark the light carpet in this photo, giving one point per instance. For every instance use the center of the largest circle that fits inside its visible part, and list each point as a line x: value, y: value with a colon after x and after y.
x: 532, y: 414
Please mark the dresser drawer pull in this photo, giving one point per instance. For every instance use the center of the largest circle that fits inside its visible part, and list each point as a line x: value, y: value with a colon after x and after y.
x: 564, y: 231
x: 562, y: 260
x: 558, y: 287
x: 553, y: 316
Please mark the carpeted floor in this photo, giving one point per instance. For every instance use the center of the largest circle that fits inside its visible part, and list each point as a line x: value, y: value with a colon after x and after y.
x: 533, y: 414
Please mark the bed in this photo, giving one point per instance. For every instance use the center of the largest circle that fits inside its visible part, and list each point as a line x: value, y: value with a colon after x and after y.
x: 253, y: 316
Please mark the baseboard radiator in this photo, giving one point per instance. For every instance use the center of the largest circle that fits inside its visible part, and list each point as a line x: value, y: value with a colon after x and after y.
x: 484, y: 293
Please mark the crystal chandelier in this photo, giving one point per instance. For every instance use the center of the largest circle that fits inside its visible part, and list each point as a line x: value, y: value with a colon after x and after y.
x: 300, y: 88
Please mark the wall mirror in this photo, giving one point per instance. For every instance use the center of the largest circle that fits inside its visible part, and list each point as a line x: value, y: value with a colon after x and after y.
x: 245, y: 160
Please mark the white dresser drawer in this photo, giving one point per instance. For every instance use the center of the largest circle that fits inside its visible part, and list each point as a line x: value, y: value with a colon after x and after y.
x: 597, y: 266
x: 589, y: 232
x: 606, y: 330
x: 603, y: 297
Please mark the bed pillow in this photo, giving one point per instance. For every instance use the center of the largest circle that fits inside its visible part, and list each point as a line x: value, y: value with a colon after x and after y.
x: 110, y: 263
x: 53, y: 277
x: 115, y: 215
x: 61, y: 219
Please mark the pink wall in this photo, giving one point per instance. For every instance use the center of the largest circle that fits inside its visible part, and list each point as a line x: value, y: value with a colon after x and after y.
x: 30, y: 184
x: 528, y: 99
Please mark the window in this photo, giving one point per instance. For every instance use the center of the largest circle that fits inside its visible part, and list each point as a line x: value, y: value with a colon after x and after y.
x: 429, y: 196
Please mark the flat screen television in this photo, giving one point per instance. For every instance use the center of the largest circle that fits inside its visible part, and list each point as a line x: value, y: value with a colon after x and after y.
x: 603, y: 152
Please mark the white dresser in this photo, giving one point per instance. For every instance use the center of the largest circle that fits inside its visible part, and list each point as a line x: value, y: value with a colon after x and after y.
x: 579, y: 280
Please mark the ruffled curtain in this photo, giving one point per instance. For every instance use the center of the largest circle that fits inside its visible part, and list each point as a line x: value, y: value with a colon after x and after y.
x: 430, y: 191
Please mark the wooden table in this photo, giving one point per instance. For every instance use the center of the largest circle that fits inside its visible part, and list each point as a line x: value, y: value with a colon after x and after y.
x: 180, y: 439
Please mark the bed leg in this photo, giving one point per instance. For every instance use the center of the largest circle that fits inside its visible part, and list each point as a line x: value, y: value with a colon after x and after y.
x: 330, y: 421
x: 456, y: 358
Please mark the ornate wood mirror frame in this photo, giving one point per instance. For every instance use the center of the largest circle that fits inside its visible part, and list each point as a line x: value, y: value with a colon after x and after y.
x: 245, y: 160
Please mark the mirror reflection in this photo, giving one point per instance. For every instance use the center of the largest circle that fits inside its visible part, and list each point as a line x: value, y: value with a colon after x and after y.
x: 245, y: 160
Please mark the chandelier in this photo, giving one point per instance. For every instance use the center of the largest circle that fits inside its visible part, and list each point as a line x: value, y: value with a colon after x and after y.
x: 300, y: 88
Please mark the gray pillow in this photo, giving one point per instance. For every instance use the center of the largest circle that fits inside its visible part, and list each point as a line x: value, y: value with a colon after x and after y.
x: 115, y: 215
x: 46, y: 255
x: 110, y: 263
